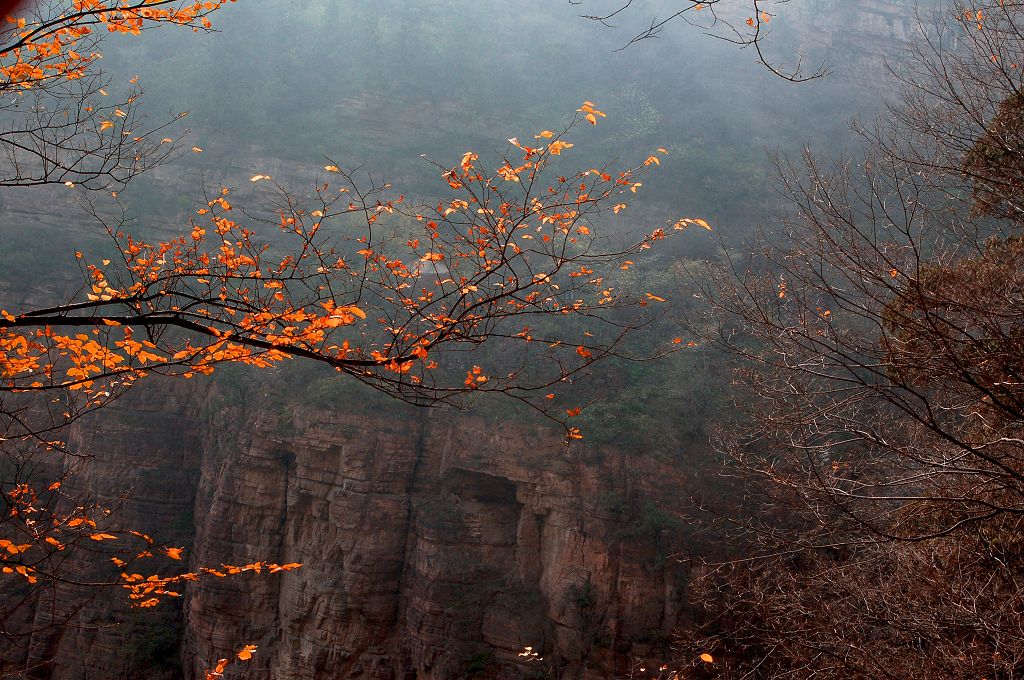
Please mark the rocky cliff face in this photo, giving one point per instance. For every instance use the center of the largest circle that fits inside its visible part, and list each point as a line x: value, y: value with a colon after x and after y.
x: 858, y: 40
x: 434, y: 546
x: 142, y: 459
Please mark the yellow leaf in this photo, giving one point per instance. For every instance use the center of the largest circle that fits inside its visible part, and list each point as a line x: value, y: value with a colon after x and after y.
x: 197, y: 149
x: 106, y: 125
x: 332, y: 168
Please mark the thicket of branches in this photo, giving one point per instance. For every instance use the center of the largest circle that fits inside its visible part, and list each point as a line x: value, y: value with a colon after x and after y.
x: 744, y: 23
x: 880, y: 332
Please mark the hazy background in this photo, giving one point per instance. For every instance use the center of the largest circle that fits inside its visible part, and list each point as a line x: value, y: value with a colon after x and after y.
x: 380, y: 82
x: 278, y: 88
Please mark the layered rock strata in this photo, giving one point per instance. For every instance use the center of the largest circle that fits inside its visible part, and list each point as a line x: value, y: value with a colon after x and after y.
x: 434, y: 545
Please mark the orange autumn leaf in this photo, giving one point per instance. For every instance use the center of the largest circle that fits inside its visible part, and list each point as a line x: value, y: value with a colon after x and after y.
x: 558, y: 146
x: 378, y: 319
x: 217, y: 671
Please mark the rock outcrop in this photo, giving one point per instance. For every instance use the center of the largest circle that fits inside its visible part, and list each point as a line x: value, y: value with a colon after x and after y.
x: 434, y: 545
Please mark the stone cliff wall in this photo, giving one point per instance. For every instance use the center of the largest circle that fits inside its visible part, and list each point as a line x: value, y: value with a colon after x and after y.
x: 141, y: 459
x: 858, y: 41
x: 431, y: 544
x: 435, y: 545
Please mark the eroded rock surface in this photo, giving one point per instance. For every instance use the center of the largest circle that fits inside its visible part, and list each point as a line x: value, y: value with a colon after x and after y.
x: 435, y: 545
